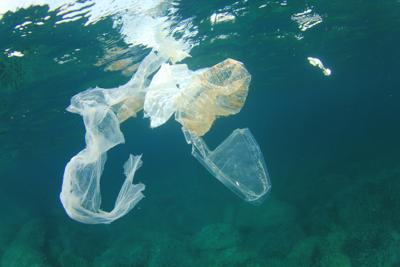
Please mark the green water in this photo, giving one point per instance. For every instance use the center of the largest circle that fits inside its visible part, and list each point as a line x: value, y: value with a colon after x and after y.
x: 330, y: 142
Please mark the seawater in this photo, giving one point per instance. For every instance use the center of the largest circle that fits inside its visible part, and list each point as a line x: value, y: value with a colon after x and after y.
x: 330, y: 142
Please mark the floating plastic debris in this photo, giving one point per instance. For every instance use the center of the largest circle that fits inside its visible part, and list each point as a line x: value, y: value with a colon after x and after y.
x: 197, y: 98
x: 316, y: 62
x: 102, y: 111
x: 237, y: 162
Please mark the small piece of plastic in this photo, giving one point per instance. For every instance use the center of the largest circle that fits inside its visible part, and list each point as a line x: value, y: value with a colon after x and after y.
x: 237, y: 162
x: 316, y: 62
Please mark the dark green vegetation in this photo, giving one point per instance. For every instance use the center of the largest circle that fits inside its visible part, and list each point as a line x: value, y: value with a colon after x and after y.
x: 331, y: 144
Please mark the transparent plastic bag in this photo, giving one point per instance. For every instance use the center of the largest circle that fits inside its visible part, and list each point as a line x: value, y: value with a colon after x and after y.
x: 103, y: 110
x: 237, y: 162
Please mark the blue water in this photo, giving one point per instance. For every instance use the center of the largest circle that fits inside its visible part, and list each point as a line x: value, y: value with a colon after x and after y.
x: 330, y: 142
